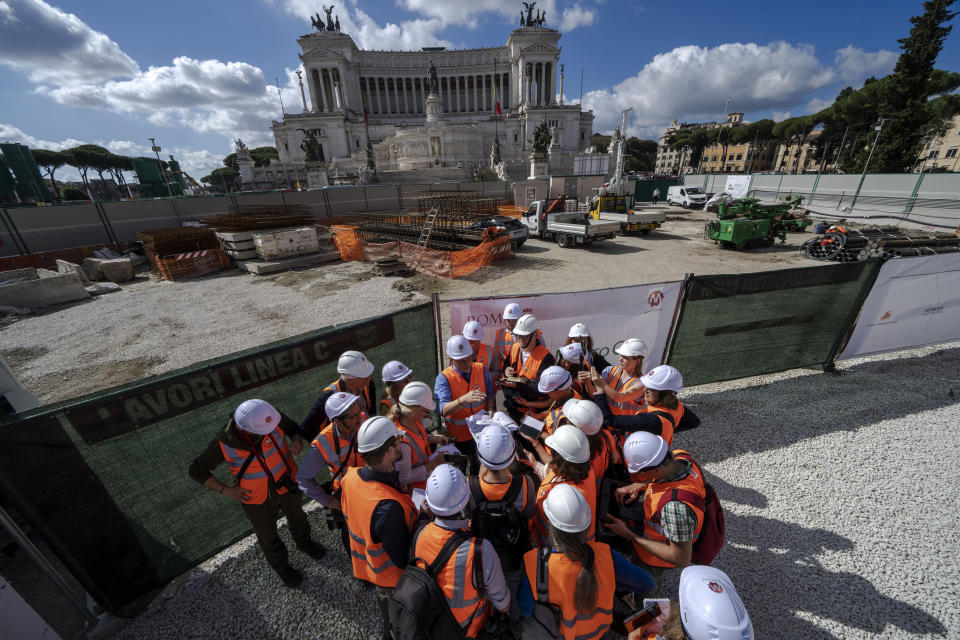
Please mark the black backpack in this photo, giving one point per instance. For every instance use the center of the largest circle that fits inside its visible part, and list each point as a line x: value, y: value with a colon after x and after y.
x: 417, y: 607
x: 500, y: 522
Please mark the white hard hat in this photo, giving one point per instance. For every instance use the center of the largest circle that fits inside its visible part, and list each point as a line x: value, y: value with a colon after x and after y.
x: 554, y: 379
x: 472, y: 331
x: 710, y: 607
x: 570, y: 443
x: 458, y: 348
x: 586, y: 415
x: 663, y: 378
x: 257, y: 417
x: 338, y: 402
x: 495, y: 447
x: 374, y: 432
x: 572, y: 352
x: 395, y: 371
x: 504, y: 420
x: 354, y: 363
x: 568, y: 405
x: 512, y: 311
x: 567, y: 509
x: 418, y: 394
x: 642, y: 450
x: 633, y: 348
x: 526, y: 325
x: 579, y: 330
x: 447, y: 491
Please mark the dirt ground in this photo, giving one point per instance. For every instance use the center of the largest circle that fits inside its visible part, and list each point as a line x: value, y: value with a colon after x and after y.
x: 153, y: 326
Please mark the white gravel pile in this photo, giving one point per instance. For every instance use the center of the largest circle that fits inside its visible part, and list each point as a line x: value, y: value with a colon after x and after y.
x: 841, y: 505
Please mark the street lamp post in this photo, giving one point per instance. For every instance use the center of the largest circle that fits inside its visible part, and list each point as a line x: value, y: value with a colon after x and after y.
x: 879, y: 129
x: 163, y: 174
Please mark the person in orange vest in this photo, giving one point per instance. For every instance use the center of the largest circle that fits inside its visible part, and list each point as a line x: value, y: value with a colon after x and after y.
x: 557, y: 384
x: 670, y: 529
x: 504, y: 339
x: 527, y: 361
x: 411, y: 414
x: 254, y: 445
x: 472, y: 579
x: 604, y: 452
x: 580, y: 334
x: 354, y: 370
x: 463, y: 389
x: 621, y: 384
x: 395, y: 376
x: 380, y: 515
x: 482, y: 353
x: 572, y: 580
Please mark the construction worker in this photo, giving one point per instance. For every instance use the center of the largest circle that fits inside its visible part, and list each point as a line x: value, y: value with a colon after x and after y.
x: 482, y: 353
x: 662, y: 413
x: 572, y: 575
x: 670, y: 528
x: 621, y: 384
x: 379, y: 514
x: 557, y: 384
x: 354, y: 370
x: 527, y: 361
x: 709, y: 609
x: 395, y: 376
x: 254, y: 445
x: 471, y: 580
x: 504, y: 339
x: 412, y: 416
x: 571, y: 359
x: 463, y: 389
x: 604, y: 452
x: 334, y: 448
x: 580, y: 334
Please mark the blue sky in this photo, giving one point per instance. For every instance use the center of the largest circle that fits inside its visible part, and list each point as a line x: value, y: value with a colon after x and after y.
x: 196, y: 74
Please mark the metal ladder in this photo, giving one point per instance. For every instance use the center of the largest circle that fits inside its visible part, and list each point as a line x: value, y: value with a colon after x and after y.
x: 425, y: 234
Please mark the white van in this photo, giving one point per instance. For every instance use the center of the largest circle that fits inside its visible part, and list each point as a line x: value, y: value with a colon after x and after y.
x: 686, y: 196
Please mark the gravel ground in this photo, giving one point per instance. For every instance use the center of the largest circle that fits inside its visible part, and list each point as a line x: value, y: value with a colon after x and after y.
x: 826, y: 511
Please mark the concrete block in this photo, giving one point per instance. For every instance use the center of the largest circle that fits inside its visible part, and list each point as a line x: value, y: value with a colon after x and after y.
x: 119, y: 270
x: 18, y: 274
x: 261, y: 267
x: 99, y: 288
x: 91, y: 268
x: 42, y: 292
x: 69, y: 267
x: 236, y: 236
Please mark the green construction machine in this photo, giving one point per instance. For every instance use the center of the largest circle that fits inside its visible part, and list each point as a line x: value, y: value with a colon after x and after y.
x: 745, y: 222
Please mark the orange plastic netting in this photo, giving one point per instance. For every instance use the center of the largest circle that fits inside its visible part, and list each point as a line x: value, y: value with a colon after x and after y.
x: 346, y: 241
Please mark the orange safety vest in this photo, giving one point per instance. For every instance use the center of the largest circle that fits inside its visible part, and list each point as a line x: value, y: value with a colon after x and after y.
x: 457, y: 421
x: 589, y: 490
x: 694, y: 483
x: 502, y: 342
x: 457, y: 579
x: 254, y: 479
x: 666, y: 426
x: 601, y: 462
x: 527, y: 370
x: 339, y: 454
x: 485, y: 356
x: 387, y: 400
x: 416, y: 439
x: 619, y: 380
x: 561, y: 577
x: 359, y: 499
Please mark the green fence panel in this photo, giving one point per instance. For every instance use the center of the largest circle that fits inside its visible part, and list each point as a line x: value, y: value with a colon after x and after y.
x: 104, y: 480
x: 643, y: 189
x: 735, y: 326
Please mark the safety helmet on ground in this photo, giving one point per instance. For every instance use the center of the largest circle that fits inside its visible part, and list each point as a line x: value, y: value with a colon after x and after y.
x: 642, y: 450
x: 567, y: 509
x: 586, y: 415
x: 512, y: 311
x: 354, y: 363
x: 572, y: 352
x: 395, y: 371
x: 570, y: 443
x: 338, y: 402
x: 504, y: 420
x: 458, y: 348
x: 633, y: 348
x: 495, y: 447
x: 418, y: 394
x: 579, y: 330
x: 526, y: 325
x: 447, y: 491
x: 257, y: 417
x: 554, y: 379
x: 710, y: 607
x: 374, y: 432
x: 472, y: 331
x: 663, y: 378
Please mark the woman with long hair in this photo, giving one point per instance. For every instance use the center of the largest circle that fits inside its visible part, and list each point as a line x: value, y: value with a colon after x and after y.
x: 411, y: 414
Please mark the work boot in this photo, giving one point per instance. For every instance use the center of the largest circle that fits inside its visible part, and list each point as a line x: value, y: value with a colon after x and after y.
x: 313, y: 549
x: 291, y: 577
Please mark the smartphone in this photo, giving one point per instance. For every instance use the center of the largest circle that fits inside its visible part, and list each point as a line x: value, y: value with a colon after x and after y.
x: 643, y: 617
x: 459, y: 461
x: 531, y: 427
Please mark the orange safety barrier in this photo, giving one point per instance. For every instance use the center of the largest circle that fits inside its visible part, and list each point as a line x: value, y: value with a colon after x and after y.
x: 463, y: 263
x: 346, y: 241
x: 192, y: 264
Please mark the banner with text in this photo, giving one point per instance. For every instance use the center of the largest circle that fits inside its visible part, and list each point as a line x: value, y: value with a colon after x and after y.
x: 612, y: 315
x: 914, y: 302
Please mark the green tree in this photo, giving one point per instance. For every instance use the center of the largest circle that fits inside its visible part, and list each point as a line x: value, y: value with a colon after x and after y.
x: 640, y: 155
x: 222, y: 180
x: 50, y: 161
x: 263, y: 155
x: 696, y: 139
x: 72, y: 193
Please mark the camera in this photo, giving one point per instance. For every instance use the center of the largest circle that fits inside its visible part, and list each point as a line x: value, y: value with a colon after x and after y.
x: 287, y: 483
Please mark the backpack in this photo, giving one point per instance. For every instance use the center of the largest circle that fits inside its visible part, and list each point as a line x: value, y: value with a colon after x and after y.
x: 500, y: 522
x: 708, y: 544
x: 417, y: 608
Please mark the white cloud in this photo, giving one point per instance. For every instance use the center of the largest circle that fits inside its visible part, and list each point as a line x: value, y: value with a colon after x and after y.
x: 10, y: 133
x: 779, y: 116
x: 54, y: 47
x: 855, y: 65
x: 577, y: 16
x: 817, y: 104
